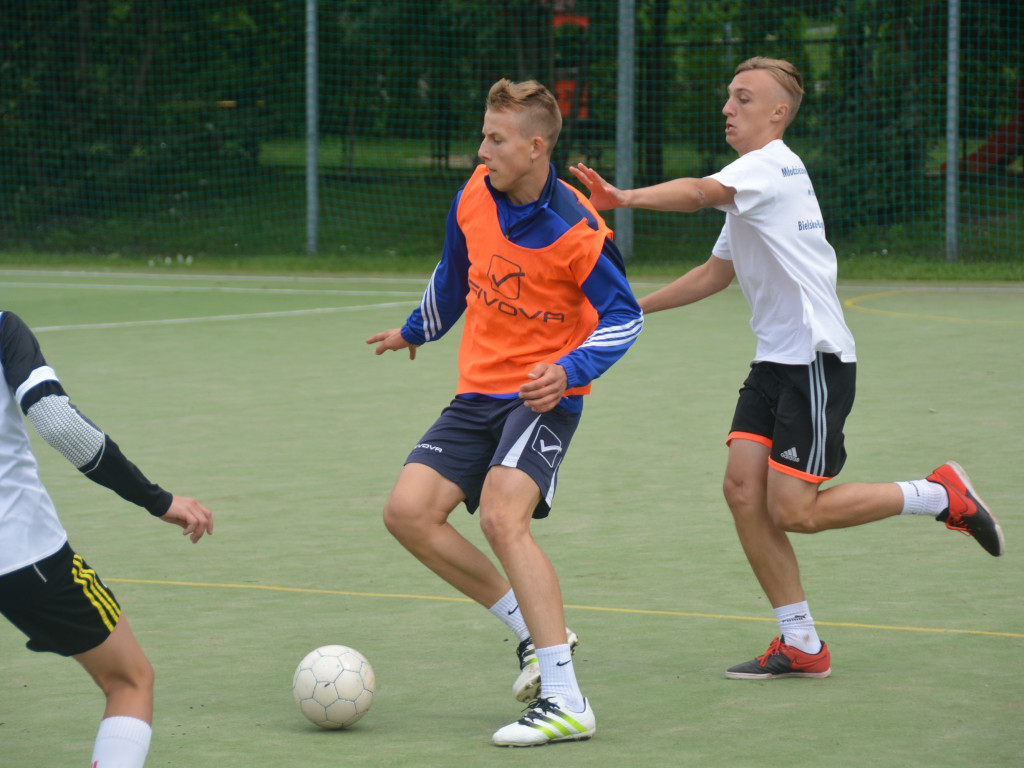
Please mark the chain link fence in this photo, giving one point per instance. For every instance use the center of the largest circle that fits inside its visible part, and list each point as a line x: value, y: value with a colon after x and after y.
x: 163, y: 128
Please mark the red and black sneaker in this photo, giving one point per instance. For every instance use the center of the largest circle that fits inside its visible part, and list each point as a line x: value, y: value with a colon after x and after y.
x: 781, y: 660
x: 966, y: 512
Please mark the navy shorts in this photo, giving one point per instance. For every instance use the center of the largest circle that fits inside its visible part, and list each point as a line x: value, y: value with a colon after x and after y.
x: 473, y: 435
x: 799, y: 412
x: 60, y: 603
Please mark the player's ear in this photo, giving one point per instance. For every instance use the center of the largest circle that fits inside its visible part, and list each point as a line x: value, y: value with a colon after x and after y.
x: 538, y: 148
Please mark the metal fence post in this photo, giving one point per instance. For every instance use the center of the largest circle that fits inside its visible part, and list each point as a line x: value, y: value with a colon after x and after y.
x: 312, y: 131
x: 953, y: 132
x: 625, y: 90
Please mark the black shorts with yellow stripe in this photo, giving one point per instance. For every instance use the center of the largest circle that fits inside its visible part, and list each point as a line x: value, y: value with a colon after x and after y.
x: 60, y: 603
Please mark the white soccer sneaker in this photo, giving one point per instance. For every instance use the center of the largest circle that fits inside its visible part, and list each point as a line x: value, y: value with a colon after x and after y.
x: 527, y: 685
x: 546, y: 721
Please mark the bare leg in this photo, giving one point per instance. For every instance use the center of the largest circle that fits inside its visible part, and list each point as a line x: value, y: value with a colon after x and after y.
x: 122, y: 671
x: 417, y: 513
x: 799, y: 506
x: 767, y: 548
x: 506, y: 508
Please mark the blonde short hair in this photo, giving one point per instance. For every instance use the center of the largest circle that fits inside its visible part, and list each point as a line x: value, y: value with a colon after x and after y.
x: 540, y: 109
x: 785, y: 74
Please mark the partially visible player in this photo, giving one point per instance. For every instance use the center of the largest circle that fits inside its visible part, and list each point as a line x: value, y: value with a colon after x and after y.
x: 46, y: 589
x: 786, y: 437
x: 547, y: 310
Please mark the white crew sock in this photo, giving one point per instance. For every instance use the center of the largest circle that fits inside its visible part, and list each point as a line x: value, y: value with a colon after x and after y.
x: 507, y: 609
x: 121, y: 742
x: 797, y: 627
x: 923, y: 497
x: 559, y: 677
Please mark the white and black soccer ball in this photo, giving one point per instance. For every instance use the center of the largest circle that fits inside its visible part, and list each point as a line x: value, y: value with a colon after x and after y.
x: 334, y: 686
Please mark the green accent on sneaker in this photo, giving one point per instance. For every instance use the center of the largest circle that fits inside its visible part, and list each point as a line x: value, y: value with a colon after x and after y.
x: 560, y: 726
x: 545, y: 721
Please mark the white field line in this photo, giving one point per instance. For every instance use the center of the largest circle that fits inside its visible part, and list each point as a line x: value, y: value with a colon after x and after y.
x: 420, y: 280
x: 142, y: 278
x: 417, y: 279
x: 218, y: 318
x: 146, y: 283
x: 210, y: 289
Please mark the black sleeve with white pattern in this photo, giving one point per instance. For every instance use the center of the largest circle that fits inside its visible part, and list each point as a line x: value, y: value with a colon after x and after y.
x: 110, y: 468
x: 58, y: 422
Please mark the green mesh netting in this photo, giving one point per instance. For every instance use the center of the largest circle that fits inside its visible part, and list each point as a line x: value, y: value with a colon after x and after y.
x: 180, y: 127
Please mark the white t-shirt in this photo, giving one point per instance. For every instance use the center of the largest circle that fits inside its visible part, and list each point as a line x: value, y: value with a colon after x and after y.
x: 775, y: 237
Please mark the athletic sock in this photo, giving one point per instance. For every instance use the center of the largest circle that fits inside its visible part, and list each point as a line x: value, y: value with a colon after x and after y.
x: 559, y: 677
x: 923, y: 497
x: 507, y: 609
x: 797, y: 627
x: 121, y: 742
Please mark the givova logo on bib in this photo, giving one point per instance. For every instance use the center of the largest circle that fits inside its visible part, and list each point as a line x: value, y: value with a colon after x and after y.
x: 503, y: 292
x: 506, y: 277
x: 548, y: 445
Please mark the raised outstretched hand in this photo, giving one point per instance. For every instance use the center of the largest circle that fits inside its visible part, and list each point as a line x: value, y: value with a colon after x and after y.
x: 603, y: 196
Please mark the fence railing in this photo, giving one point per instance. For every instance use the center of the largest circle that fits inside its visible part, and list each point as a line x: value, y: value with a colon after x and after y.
x: 343, y: 127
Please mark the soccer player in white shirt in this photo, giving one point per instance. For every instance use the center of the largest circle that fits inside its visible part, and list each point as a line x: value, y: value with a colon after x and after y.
x: 46, y: 589
x: 787, y: 432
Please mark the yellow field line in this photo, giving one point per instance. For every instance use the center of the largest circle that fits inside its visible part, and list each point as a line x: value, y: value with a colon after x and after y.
x: 603, y: 609
x: 856, y: 303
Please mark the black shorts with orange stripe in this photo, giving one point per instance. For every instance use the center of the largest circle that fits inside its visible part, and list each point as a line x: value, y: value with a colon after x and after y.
x: 799, y: 412
x: 60, y: 603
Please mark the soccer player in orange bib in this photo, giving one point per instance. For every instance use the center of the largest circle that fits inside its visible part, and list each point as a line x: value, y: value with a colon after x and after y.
x: 548, y: 309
